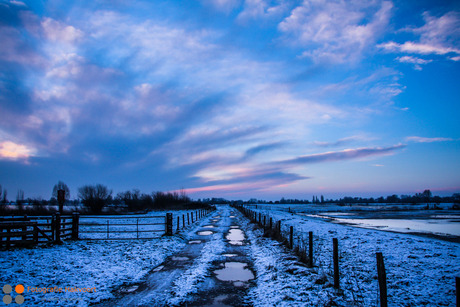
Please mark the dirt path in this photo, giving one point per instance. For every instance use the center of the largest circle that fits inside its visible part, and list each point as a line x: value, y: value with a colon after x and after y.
x: 213, y: 270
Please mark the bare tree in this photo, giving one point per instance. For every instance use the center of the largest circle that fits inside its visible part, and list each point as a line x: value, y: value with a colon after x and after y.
x: 61, y: 186
x: 95, y: 197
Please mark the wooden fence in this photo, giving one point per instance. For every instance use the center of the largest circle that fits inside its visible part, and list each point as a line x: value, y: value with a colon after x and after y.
x: 22, y: 231
x: 273, y: 228
x: 27, y: 231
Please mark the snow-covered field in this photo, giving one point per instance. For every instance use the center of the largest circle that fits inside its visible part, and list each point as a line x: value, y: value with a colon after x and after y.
x: 100, y: 264
x: 420, y: 271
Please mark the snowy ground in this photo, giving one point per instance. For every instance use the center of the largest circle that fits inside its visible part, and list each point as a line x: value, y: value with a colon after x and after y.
x: 102, y: 264
x: 420, y: 271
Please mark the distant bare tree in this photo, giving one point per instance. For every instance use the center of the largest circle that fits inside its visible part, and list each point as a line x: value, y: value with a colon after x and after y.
x: 95, y: 197
x: 61, y: 186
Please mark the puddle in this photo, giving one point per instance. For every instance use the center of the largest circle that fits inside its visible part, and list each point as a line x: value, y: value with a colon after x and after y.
x: 194, y: 242
x: 234, y: 271
x: 130, y: 289
x: 219, y: 301
x: 205, y: 233
x: 179, y: 258
x: 230, y: 255
x: 234, y: 227
x: 158, y: 268
x: 209, y: 226
x: 235, y: 236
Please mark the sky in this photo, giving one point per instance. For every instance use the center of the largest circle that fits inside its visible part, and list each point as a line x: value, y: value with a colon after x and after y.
x: 231, y: 98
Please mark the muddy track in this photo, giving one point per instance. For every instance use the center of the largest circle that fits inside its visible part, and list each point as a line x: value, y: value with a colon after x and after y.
x: 212, y: 270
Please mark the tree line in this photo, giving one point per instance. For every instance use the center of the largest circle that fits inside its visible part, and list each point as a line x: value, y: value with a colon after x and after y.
x: 97, y: 198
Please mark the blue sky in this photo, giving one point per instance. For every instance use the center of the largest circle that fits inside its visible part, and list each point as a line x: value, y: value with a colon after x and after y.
x: 231, y: 98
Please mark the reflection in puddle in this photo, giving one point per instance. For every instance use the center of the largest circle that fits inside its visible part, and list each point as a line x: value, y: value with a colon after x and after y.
x: 219, y: 301
x: 234, y: 227
x: 235, y: 236
x: 205, y: 233
x: 194, y: 242
x: 209, y: 226
x: 230, y: 255
x: 180, y: 258
x: 234, y: 271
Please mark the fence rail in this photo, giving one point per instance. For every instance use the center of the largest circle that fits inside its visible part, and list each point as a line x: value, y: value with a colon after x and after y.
x: 17, y: 231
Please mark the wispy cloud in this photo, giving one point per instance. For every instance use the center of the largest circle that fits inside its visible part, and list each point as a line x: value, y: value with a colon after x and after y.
x: 413, y: 60
x: 347, y: 154
x: 419, y: 139
x: 438, y: 36
x: 343, y: 141
x: 336, y: 31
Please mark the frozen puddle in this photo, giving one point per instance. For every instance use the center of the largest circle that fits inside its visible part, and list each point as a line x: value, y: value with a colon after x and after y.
x: 236, y: 272
x: 194, y: 242
x: 179, y: 258
x: 205, y: 233
x: 209, y: 226
x: 234, y: 227
x: 235, y: 236
x: 232, y: 216
x: 230, y: 255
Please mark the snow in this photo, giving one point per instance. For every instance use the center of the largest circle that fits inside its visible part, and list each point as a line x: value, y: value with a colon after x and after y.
x: 102, y: 264
x: 420, y: 271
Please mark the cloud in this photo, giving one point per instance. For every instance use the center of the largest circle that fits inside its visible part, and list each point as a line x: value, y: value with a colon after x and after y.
x: 347, y: 154
x: 438, y: 36
x: 419, y: 139
x: 255, y: 9
x: 13, y: 151
x: 340, y: 142
x: 418, y: 48
x: 413, y: 60
x: 60, y: 32
x: 264, y: 147
x: 336, y: 31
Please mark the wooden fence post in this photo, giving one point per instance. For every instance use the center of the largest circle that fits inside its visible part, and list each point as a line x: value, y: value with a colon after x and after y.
x: 335, y: 244
x: 265, y: 219
x: 24, y: 229
x: 35, y: 232
x: 183, y: 221
x: 457, y: 287
x: 188, y: 219
x: 178, y: 222
x: 108, y: 231
x: 75, y: 223
x: 271, y: 223
x: 382, y: 280
x: 169, y: 224
x: 310, y: 248
x: 191, y: 214
x: 58, y: 227
x: 291, y: 237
